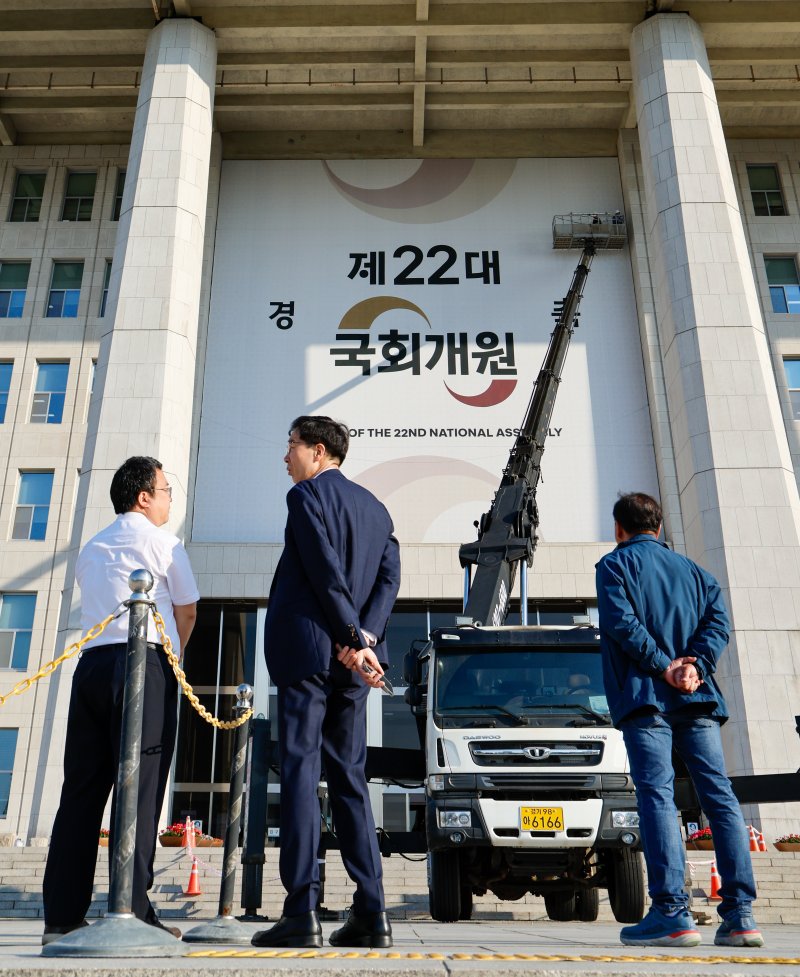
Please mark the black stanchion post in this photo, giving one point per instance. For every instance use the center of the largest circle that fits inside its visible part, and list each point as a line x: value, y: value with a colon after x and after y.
x: 225, y: 928
x: 120, y: 933
x: 262, y: 758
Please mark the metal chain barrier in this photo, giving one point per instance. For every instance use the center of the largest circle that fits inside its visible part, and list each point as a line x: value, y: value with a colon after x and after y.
x: 24, y: 684
x: 50, y: 667
x: 188, y: 691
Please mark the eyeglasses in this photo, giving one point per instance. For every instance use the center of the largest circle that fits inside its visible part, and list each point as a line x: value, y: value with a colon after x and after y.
x: 291, y: 444
x: 167, y: 489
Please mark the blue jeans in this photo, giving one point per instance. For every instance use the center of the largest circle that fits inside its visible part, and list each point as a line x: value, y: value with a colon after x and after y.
x: 696, y: 739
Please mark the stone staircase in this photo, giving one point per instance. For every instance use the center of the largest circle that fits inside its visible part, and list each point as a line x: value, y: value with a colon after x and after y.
x: 21, y: 871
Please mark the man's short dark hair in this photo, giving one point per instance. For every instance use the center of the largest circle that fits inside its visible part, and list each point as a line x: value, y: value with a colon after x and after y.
x: 137, y: 474
x: 637, y: 513
x: 318, y: 429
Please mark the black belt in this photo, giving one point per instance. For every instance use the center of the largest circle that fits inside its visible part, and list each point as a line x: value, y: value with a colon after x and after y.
x: 151, y: 646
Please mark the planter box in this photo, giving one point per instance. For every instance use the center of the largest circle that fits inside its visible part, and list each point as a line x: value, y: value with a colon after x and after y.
x: 208, y: 843
x: 172, y: 841
x: 103, y: 842
x: 702, y: 844
x: 786, y: 846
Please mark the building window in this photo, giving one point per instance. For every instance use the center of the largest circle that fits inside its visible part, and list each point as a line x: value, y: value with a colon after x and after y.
x: 16, y: 627
x: 65, y: 290
x: 79, y: 197
x: 784, y: 284
x: 6, y: 369
x: 117, y: 210
x: 8, y: 747
x: 792, y: 370
x: 26, y: 204
x: 13, y: 284
x: 765, y: 189
x: 51, y: 390
x: 33, y: 505
x: 106, y: 280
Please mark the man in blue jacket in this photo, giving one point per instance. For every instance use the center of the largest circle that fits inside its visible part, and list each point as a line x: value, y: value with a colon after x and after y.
x: 663, y: 627
x: 333, y: 592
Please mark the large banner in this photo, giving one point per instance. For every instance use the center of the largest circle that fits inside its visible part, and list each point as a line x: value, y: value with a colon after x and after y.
x: 413, y: 300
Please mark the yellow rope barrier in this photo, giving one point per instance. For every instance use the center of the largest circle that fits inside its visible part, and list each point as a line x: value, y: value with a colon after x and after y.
x: 24, y: 684
x: 188, y: 691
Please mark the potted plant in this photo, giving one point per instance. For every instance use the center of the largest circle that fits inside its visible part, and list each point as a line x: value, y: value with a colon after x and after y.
x: 103, y: 839
x: 207, y: 841
x: 175, y: 836
x: 701, y: 840
x: 788, y: 843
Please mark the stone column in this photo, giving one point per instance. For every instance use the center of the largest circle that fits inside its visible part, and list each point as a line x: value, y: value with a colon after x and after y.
x: 143, y: 395
x: 145, y: 374
x: 737, y: 490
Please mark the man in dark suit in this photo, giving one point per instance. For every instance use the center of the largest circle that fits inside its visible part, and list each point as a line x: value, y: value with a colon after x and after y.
x: 333, y: 591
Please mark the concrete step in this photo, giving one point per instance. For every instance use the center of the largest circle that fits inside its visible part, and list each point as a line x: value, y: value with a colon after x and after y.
x: 405, y: 882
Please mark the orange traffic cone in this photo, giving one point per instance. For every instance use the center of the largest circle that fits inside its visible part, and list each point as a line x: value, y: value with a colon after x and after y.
x: 762, y: 845
x: 194, y: 881
x: 753, y: 838
x: 715, y: 882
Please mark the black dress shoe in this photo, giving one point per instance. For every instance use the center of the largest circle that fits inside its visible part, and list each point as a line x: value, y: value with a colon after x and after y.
x: 363, y: 929
x: 303, y: 930
x: 172, y: 930
x: 52, y: 933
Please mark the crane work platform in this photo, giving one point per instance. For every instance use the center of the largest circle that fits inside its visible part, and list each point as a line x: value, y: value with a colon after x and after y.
x: 607, y: 231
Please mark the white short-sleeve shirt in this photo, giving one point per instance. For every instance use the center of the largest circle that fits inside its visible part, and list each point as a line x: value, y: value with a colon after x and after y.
x: 104, y: 564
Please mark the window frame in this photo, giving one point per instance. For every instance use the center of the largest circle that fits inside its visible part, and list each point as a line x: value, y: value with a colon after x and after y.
x: 119, y: 190
x: 766, y: 203
x: 5, y: 393
x: 5, y: 794
x: 78, y: 201
x: 15, y: 197
x: 67, y: 295
x: 778, y: 291
x: 39, y: 512
x: 13, y: 311
x: 15, y: 632
x: 43, y: 417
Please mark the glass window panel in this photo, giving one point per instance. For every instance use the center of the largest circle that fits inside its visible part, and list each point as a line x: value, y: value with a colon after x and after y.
x: 67, y: 274
x: 22, y: 522
x: 792, y: 293
x: 14, y: 274
x: 81, y: 184
x: 775, y: 204
x: 778, y: 299
x: 16, y: 304
x: 781, y: 271
x: 794, y: 396
x: 8, y: 748
x: 16, y: 611
x: 35, y: 488
x: 39, y: 522
x: 55, y: 304
x: 71, y: 299
x: 30, y: 185
x: 6, y: 648
x: 399, y: 723
x: 22, y: 647
x: 52, y: 377
x: 6, y: 370
x: 5, y: 793
x: 763, y: 177
x: 118, y: 196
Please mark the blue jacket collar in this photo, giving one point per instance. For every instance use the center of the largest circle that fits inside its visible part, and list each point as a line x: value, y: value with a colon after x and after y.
x: 641, y: 538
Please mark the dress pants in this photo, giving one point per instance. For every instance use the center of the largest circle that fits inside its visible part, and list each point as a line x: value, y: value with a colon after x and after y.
x: 323, y: 718
x: 91, y: 761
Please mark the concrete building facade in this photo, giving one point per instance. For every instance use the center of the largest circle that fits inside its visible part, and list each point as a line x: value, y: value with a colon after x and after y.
x: 106, y: 306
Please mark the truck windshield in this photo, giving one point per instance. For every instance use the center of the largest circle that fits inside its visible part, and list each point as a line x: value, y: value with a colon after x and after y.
x: 519, y: 682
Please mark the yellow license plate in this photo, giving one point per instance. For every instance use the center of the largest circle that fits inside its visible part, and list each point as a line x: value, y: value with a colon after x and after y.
x: 541, y: 818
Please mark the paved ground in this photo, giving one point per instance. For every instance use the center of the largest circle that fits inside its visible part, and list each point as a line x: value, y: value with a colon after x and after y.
x: 429, y: 949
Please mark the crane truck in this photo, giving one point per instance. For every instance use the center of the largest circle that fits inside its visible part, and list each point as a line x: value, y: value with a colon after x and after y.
x: 528, y: 787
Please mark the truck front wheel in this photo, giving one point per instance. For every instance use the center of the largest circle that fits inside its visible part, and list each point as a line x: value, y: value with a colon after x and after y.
x: 561, y: 906
x: 626, y: 885
x: 587, y: 905
x: 444, y: 886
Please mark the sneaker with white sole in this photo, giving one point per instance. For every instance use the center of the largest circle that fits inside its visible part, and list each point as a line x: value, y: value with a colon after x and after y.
x: 738, y: 931
x: 659, y: 929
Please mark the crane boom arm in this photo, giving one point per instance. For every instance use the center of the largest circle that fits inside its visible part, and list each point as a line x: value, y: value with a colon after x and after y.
x: 507, y: 532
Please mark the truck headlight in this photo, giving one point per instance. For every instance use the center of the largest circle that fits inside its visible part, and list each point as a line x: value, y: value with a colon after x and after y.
x: 454, y: 819
x: 625, y: 819
x: 436, y: 781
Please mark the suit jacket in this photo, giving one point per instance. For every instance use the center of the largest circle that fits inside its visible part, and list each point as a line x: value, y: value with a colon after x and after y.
x: 339, y: 573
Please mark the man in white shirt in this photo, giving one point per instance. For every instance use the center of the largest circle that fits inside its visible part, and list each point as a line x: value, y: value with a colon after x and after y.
x: 141, y: 498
